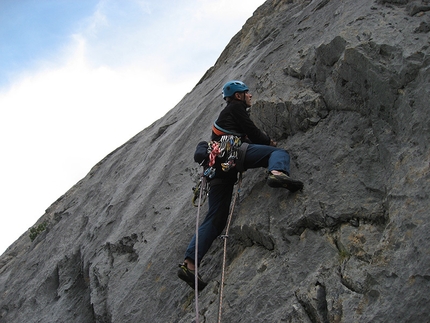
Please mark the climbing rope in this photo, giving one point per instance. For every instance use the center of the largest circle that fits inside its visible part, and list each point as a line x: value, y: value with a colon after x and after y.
x: 196, y: 273
x: 225, y: 237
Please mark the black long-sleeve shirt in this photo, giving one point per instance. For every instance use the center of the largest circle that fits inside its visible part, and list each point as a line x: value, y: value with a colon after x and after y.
x: 235, y: 118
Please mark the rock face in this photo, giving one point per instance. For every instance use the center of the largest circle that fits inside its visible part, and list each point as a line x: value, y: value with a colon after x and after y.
x: 344, y: 86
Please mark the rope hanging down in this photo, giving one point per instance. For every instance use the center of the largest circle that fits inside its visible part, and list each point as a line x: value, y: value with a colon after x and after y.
x: 196, y: 273
x: 225, y: 237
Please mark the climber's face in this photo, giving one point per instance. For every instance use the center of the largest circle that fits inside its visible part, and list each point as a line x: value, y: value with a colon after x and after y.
x: 248, y: 97
x: 244, y: 97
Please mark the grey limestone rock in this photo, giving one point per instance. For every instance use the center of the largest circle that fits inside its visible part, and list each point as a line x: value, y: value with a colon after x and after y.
x: 344, y: 86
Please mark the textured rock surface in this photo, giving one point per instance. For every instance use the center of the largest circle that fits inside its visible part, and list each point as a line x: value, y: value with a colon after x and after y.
x: 345, y: 87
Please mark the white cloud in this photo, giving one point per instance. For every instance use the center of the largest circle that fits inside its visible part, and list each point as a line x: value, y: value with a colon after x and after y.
x: 94, y: 23
x: 145, y: 6
x: 89, y: 102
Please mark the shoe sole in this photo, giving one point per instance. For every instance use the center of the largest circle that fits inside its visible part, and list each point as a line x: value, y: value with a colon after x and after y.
x: 189, y: 278
x: 289, y: 184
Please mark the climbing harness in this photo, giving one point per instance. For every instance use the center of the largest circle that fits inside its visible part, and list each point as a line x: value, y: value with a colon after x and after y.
x: 228, y: 147
x: 225, y: 237
x: 221, y: 131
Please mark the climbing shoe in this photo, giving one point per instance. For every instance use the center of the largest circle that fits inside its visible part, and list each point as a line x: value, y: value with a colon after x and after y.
x: 188, y: 276
x: 285, y: 181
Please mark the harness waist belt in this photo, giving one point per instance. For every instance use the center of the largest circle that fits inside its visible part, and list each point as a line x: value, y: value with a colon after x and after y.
x: 221, y: 132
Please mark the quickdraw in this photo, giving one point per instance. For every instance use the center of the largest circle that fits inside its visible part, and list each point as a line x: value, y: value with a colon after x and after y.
x: 231, y: 144
x: 203, y: 185
x: 227, y: 146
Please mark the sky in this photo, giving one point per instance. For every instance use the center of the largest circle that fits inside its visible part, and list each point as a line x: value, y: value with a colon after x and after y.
x: 78, y: 78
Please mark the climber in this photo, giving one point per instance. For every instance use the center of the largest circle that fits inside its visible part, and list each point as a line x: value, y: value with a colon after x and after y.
x: 256, y: 150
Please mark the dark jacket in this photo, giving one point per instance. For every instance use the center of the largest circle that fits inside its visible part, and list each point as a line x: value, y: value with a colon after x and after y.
x: 235, y: 118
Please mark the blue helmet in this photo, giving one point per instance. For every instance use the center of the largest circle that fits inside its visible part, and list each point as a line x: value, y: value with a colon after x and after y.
x: 231, y: 87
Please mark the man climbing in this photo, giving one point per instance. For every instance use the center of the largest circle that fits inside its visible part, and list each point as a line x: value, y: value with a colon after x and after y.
x: 256, y: 150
